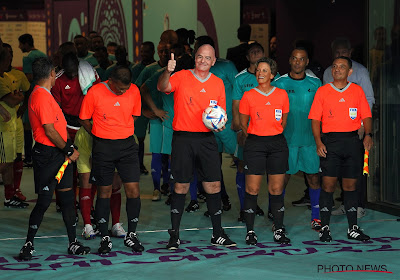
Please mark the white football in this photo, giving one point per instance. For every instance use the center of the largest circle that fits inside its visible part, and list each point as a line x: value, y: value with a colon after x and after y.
x: 214, y: 117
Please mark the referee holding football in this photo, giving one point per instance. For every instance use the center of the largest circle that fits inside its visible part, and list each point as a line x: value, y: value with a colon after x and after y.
x: 113, y: 106
x: 340, y: 107
x: 193, y: 144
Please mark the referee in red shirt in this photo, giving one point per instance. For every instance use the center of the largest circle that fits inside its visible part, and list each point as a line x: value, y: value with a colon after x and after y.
x: 340, y: 107
x: 113, y: 106
x: 193, y: 144
x: 51, y: 149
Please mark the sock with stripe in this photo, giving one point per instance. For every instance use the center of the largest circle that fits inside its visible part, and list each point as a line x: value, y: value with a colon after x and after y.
x: 177, y: 206
x: 102, y: 215
x: 115, y: 206
x: 277, y: 209
x: 314, y: 199
x: 350, y: 205
x: 250, y: 207
x: 67, y: 204
x: 214, y: 208
x: 156, y: 170
x: 241, y: 188
x: 325, y: 207
x: 133, y: 206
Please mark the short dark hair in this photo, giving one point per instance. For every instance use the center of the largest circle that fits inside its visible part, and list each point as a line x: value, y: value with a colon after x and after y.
x: 254, y: 45
x: 92, y: 32
x: 41, y: 68
x: 300, y: 49
x: 79, y: 37
x: 98, y: 36
x: 342, y: 42
x: 7, y: 45
x: 272, y: 64
x: 113, y: 44
x: 149, y: 44
x: 244, y: 32
x: 26, y: 39
x: 349, y: 62
x: 121, y: 73
x: 66, y: 47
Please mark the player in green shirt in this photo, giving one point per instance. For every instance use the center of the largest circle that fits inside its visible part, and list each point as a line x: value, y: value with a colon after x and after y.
x: 301, y: 89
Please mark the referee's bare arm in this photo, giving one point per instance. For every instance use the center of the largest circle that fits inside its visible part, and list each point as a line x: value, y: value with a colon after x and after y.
x: 57, y: 140
x: 316, y: 130
x: 163, y: 84
x: 367, y: 142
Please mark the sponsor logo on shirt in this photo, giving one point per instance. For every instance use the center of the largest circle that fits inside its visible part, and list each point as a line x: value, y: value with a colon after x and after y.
x: 67, y: 87
x: 268, y: 103
x: 278, y: 114
x: 203, y: 90
x: 353, y: 113
x: 342, y: 100
x: 117, y: 104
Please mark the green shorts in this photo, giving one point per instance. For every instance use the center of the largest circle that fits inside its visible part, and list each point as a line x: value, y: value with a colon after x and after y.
x: 304, y: 158
x: 141, y: 125
x: 156, y: 136
x: 226, y: 140
x: 167, y: 140
x: 239, y: 152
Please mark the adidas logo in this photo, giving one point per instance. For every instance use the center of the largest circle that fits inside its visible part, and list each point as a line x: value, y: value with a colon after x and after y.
x: 352, y: 209
x: 74, y: 248
x: 219, y: 212
x: 33, y: 227
x: 203, y: 90
x: 268, y: 103
x: 282, y: 209
x: 67, y: 87
x: 174, y: 211
x: 117, y: 104
x: 325, y: 209
x: 153, y: 170
x: 85, y: 198
x: 46, y: 188
x: 249, y: 211
x: 102, y: 221
x: 316, y: 206
x: 135, y: 220
x: 220, y: 240
x: 93, y: 179
x: 171, y: 177
x: 246, y: 167
x: 342, y: 100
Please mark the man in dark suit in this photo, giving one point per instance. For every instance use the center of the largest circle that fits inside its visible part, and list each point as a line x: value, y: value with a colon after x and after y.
x: 238, y: 54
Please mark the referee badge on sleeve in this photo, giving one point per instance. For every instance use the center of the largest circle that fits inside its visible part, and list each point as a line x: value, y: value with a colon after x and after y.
x: 278, y: 114
x: 353, y: 113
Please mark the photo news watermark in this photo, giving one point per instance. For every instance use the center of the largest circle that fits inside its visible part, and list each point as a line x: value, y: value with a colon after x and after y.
x: 336, y: 268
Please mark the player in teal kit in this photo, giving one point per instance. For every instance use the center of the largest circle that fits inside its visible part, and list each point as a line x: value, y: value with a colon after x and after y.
x: 244, y: 81
x: 301, y: 89
x: 163, y: 50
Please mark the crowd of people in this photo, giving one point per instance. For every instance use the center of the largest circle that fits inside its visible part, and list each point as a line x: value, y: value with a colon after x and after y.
x: 93, y: 107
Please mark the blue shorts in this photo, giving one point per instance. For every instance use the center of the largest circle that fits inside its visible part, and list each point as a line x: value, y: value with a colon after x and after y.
x: 167, y: 140
x: 226, y: 140
x: 304, y: 159
x: 156, y: 136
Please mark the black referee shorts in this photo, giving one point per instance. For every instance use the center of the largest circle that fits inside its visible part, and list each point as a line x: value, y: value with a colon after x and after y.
x: 108, y: 154
x: 192, y: 150
x: 266, y: 154
x: 343, y: 155
x: 47, y: 161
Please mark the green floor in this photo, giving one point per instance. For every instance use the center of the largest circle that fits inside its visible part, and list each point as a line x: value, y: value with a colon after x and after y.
x: 304, y: 258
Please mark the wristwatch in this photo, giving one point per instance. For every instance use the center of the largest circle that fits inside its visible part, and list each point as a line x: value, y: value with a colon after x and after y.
x: 369, y: 134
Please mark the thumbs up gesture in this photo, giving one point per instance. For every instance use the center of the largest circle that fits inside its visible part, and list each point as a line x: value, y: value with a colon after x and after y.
x: 171, y: 64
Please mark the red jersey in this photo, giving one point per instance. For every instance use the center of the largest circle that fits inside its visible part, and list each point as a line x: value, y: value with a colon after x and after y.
x: 191, y: 96
x: 265, y: 110
x: 43, y: 109
x: 68, y: 94
x: 340, y: 110
x: 111, y: 113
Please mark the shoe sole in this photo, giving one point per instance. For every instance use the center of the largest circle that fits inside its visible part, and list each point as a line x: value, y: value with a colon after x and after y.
x: 251, y: 243
x: 173, y: 248
x: 221, y: 245
x: 24, y: 259
x: 282, y: 242
x: 301, y: 204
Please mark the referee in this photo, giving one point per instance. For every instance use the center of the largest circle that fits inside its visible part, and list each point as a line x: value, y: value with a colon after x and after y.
x: 113, y: 106
x: 194, y: 145
x: 340, y: 107
x: 265, y: 149
x: 51, y: 149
